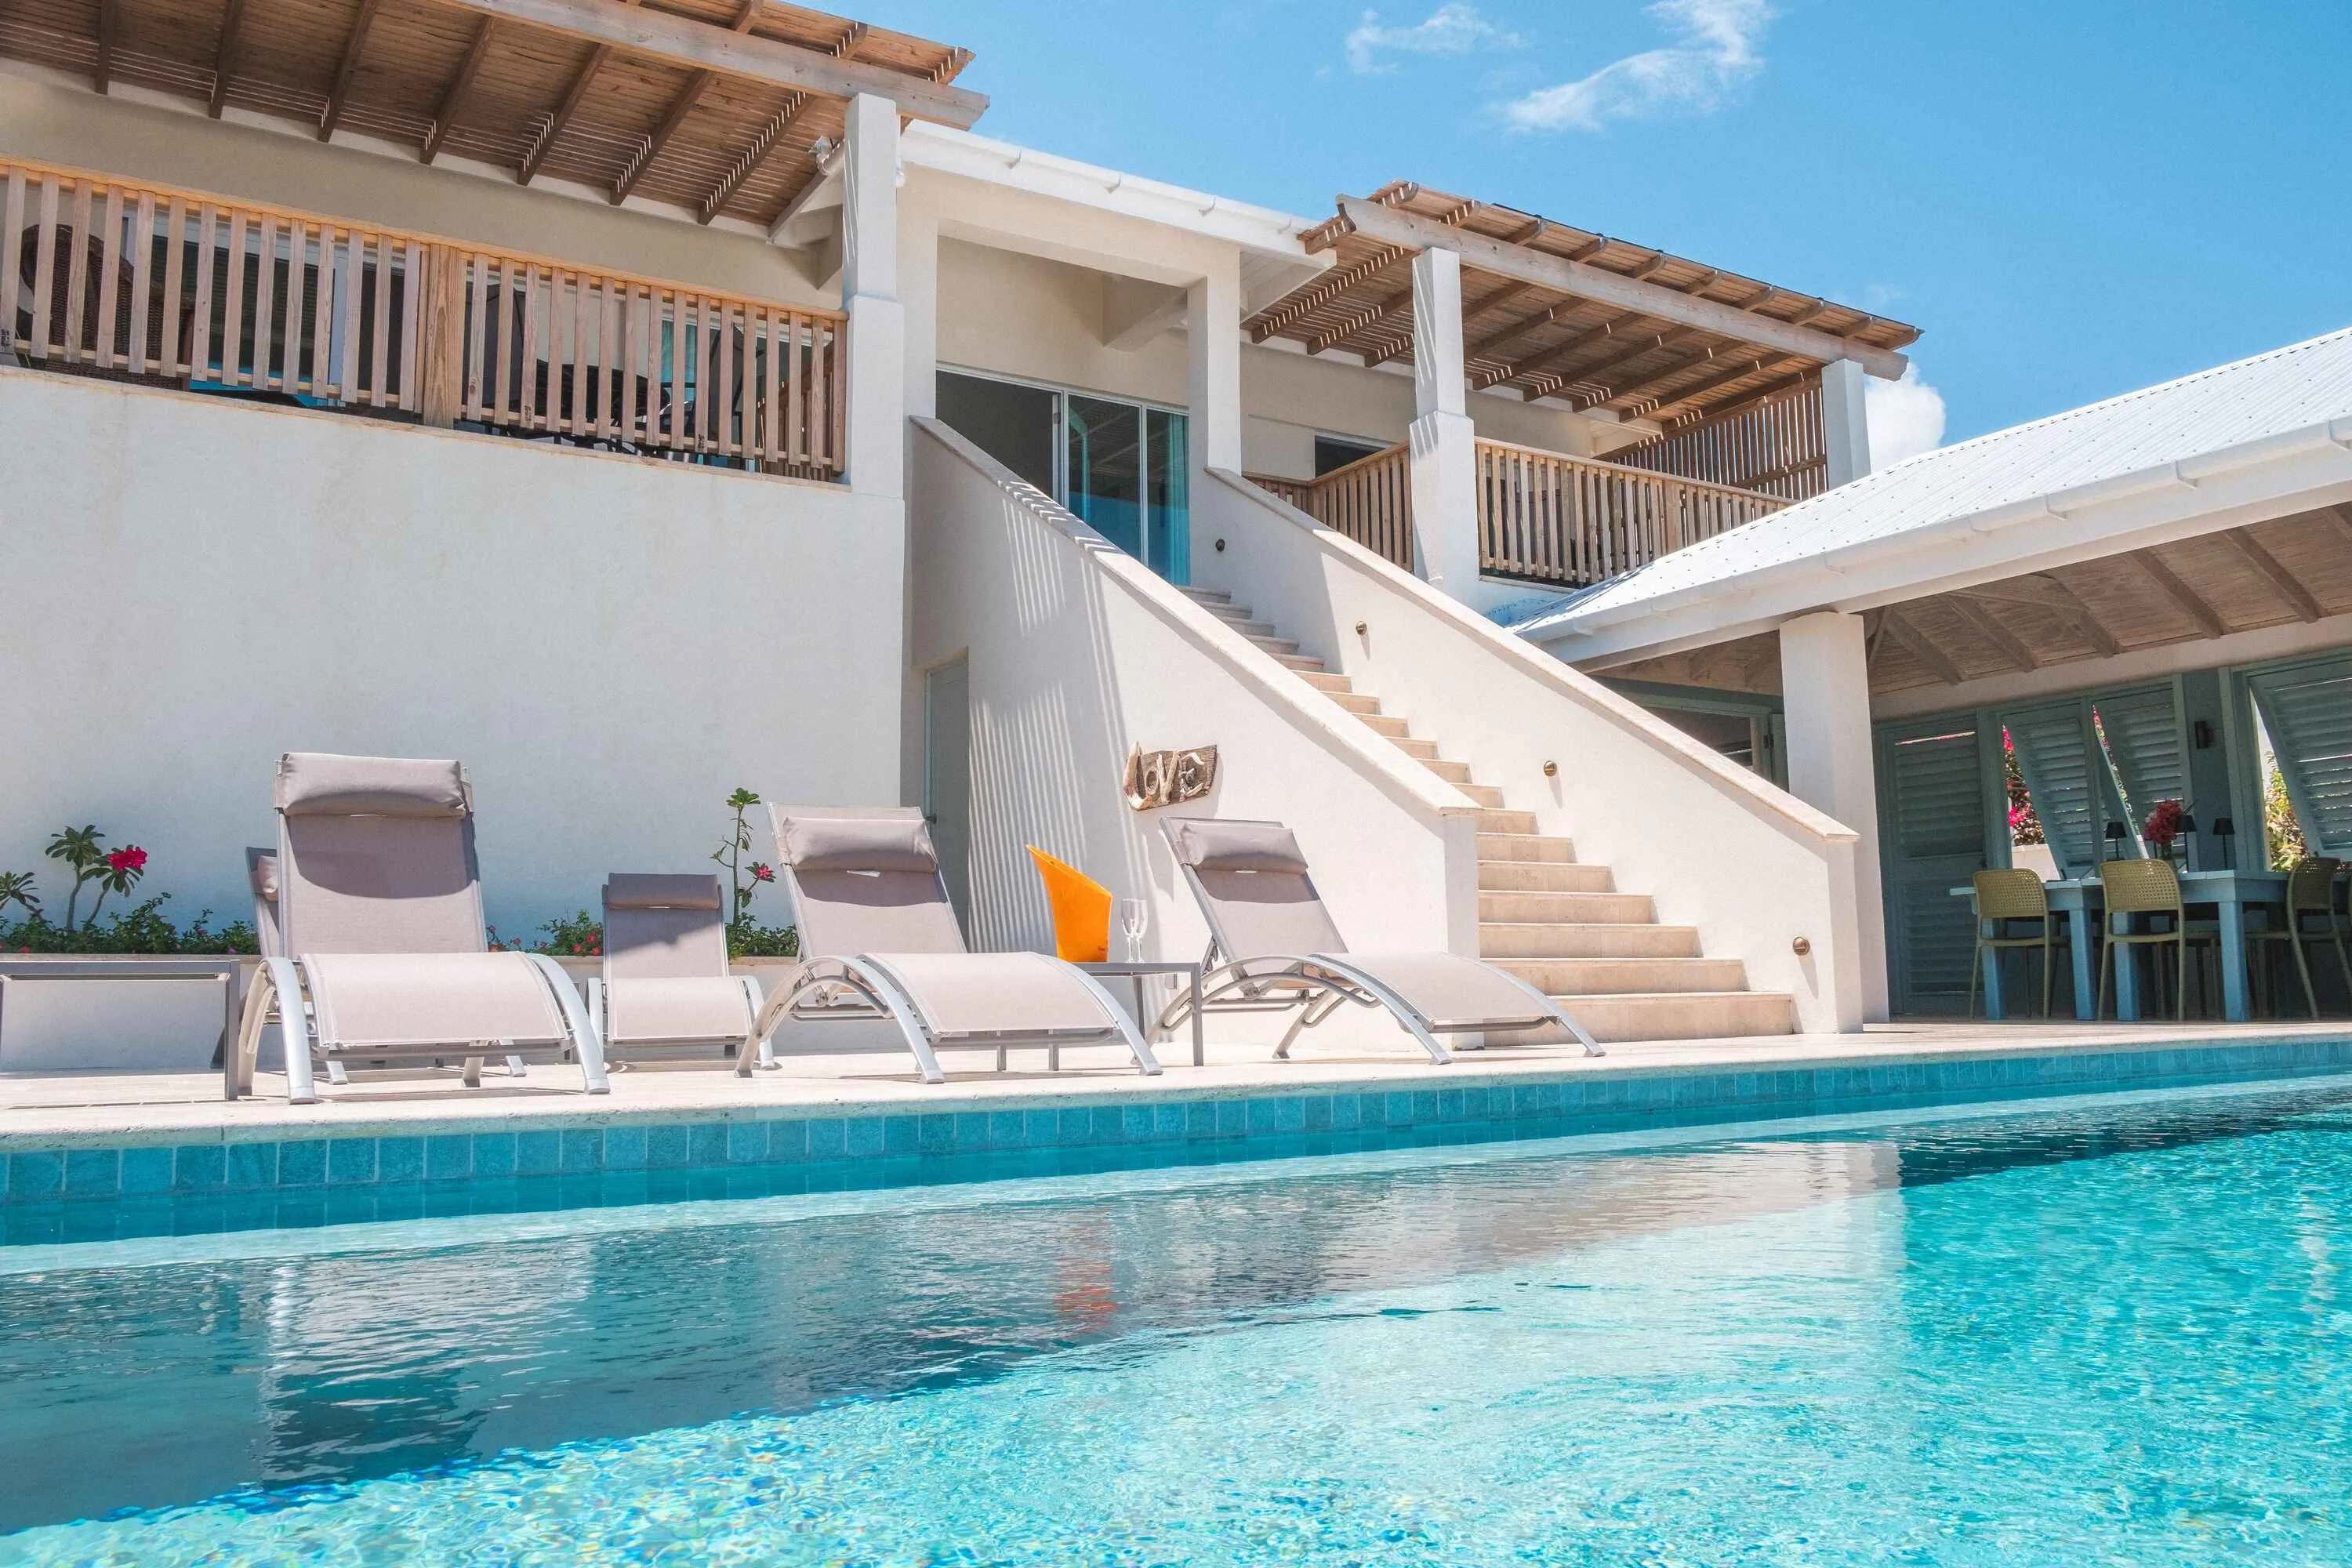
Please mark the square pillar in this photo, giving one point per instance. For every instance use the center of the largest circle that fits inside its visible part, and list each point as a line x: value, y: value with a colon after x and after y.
x: 1825, y: 684
x: 1845, y: 421
x: 1444, y: 444
x: 1213, y: 363
x: 869, y: 289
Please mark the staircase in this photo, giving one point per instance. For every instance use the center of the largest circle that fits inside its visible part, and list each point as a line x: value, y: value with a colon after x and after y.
x: 1555, y: 921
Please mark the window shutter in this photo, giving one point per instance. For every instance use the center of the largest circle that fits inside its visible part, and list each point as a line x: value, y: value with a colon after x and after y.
x: 1933, y: 838
x: 2055, y: 751
x: 2307, y: 709
x: 2143, y: 728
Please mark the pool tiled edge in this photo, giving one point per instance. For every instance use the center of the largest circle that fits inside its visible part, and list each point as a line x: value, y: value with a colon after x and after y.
x: 52, y: 1170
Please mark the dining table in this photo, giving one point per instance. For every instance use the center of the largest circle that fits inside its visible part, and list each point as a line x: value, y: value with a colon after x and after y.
x: 2230, y: 893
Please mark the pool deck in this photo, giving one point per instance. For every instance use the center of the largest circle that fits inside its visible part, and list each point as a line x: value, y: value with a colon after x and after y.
x: 66, y: 1110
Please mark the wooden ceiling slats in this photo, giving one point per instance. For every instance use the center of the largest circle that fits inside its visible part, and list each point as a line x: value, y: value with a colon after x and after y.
x: 543, y: 104
x: 1346, y: 308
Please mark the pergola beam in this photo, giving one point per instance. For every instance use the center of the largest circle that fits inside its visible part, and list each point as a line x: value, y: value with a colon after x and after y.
x: 780, y: 125
x: 700, y: 83
x: 2184, y: 598
x: 1325, y: 290
x: 1982, y: 622
x: 2299, y: 597
x: 1715, y: 383
x: 1920, y: 647
x: 677, y: 41
x: 110, y: 15
x: 1633, y: 392
x: 1585, y: 374
x: 460, y: 85
x: 2045, y: 593
x: 353, y: 45
x: 1392, y: 227
x: 225, y: 56
x: 1542, y: 360
x: 565, y: 108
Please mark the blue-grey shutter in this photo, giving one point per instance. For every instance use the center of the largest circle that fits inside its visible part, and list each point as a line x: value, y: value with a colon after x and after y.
x: 2307, y: 708
x: 2143, y: 730
x: 2057, y: 752
x: 1932, y: 839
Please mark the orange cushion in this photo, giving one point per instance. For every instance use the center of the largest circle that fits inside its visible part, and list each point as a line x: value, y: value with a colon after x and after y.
x: 1081, y: 909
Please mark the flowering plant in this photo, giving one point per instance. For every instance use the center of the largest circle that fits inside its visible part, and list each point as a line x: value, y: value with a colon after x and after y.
x: 114, y: 870
x: 2163, y: 824
x: 730, y: 852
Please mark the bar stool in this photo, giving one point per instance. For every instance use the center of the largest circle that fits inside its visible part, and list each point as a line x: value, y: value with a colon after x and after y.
x: 2150, y: 888
x: 2310, y: 896
x: 2003, y: 899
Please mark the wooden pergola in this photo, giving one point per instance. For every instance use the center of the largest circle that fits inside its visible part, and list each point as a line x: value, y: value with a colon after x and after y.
x: 716, y: 108
x: 2287, y: 570
x: 1556, y: 311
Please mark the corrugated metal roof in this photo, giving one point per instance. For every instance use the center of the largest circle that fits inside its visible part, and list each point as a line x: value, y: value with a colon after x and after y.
x: 2271, y: 394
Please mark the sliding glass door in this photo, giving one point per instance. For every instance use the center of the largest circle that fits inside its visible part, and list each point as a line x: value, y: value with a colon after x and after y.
x: 1121, y: 466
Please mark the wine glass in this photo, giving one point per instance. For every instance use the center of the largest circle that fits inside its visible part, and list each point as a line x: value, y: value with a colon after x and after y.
x: 1133, y: 916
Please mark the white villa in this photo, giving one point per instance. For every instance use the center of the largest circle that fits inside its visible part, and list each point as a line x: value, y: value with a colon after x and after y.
x: 638, y: 400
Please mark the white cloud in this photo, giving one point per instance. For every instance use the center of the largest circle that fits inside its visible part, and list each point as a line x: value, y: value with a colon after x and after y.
x: 1454, y: 28
x: 1906, y: 417
x: 1716, y: 51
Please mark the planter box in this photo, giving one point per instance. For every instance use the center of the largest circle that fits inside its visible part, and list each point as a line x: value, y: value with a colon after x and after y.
x: 68, y: 1013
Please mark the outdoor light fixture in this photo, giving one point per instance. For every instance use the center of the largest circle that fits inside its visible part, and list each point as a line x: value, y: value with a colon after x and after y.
x: 2227, y: 832
x: 2117, y: 833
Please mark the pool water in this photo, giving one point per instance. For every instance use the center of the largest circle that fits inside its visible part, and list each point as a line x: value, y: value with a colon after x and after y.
x: 2094, y: 1332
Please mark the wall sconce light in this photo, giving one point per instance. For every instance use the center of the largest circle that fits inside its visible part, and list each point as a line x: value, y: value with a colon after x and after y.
x: 2227, y: 832
x: 2201, y: 734
x: 1220, y: 547
x: 1802, y: 946
x: 1362, y: 627
x: 1551, y: 770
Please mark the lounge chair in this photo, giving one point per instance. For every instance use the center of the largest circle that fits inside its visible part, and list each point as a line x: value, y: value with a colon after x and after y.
x: 665, y: 990
x: 1273, y: 948
x: 261, y: 875
x: 380, y: 911
x: 879, y: 940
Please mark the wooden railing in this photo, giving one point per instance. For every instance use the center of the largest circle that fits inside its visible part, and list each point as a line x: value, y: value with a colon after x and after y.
x: 1370, y: 500
x: 1776, y: 447
x: 148, y: 283
x: 1563, y: 521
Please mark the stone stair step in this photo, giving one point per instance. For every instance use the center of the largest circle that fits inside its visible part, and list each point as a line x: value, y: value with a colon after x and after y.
x: 1305, y: 663
x: 1389, y: 724
x: 1681, y: 1015
x: 1507, y: 822
x: 1419, y: 750
x: 1522, y: 947
x: 1544, y: 876
x: 1515, y: 847
x: 1566, y: 909
x: 1483, y: 795
x: 1632, y: 976
x: 1271, y: 643
x: 1324, y: 681
x: 1254, y: 629
x: 1206, y: 595
x: 1362, y: 704
x: 1451, y: 772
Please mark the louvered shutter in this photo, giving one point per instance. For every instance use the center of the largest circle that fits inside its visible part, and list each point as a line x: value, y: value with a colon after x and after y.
x: 2058, y: 754
x: 2307, y: 709
x: 1932, y: 839
x: 2143, y: 729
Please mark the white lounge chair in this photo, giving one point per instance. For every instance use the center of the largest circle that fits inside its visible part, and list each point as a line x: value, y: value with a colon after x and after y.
x: 1274, y: 948
x: 380, y: 911
x: 879, y: 940
x: 665, y: 990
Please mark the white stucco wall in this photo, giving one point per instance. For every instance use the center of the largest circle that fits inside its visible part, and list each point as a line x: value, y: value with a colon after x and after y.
x: 281, y: 166
x: 1076, y: 653
x: 610, y: 644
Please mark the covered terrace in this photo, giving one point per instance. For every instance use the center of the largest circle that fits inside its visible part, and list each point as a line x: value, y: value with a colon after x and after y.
x: 1716, y: 398
x: 2145, y: 600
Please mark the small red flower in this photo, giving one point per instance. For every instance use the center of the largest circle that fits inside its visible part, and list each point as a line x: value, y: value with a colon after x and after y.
x: 129, y: 857
x: 760, y: 873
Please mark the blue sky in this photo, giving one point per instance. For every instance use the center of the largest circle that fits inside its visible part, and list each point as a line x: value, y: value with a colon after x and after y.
x: 2072, y: 198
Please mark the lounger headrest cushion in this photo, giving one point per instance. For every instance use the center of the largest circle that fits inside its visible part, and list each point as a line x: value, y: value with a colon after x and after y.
x: 1207, y: 845
x: 263, y: 866
x: 315, y: 783
x: 647, y: 890
x: 856, y: 844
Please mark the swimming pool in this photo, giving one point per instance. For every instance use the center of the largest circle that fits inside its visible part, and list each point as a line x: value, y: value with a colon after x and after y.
x: 2089, y: 1331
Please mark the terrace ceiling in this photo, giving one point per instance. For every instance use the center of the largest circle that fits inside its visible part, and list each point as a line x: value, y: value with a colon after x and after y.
x: 1552, y: 311
x: 2278, y: 573
x: 714, y: 107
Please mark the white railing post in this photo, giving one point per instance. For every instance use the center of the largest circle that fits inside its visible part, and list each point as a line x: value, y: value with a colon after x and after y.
x: 1444, y: 441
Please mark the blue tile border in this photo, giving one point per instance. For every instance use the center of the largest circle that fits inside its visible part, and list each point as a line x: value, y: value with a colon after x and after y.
x: 673, y: 1155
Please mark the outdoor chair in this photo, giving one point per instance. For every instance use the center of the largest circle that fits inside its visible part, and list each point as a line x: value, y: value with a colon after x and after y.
x: 380, y: 911
x: 261, y: 876
x: 2151, y: 888
x: 2310, y: 897
x: 665, y: 989
x: 2006, y: 900
x: 1274, y: 949
x: 879, y: 940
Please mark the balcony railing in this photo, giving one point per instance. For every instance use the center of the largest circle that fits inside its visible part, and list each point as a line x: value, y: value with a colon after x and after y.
x: 1543, y: 517
x: 1570, y: 523
x: 177, y: 288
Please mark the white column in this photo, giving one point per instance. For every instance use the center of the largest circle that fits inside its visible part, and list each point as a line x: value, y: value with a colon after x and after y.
x: 919, y: 300
x: 1845, y: 420
x: 1444, y: 441
x: 869, y: 288
x: 1825, y: 684
x: 1212, y: 349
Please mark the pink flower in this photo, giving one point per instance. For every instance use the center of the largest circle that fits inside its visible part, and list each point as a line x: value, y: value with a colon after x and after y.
x: 129, y: 857
x: 760, y: 873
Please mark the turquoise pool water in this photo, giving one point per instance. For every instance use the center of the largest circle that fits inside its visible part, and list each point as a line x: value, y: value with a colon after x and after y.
x: 2083, y: 1333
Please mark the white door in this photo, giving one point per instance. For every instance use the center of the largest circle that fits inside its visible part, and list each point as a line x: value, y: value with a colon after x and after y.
x: 947, y: 776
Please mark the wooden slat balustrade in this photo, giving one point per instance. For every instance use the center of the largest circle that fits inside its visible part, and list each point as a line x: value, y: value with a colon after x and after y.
x: 1370, y: 500
x: 123, y: 278
x: 1564, y: 521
